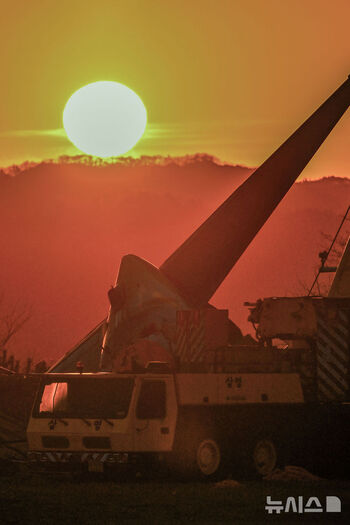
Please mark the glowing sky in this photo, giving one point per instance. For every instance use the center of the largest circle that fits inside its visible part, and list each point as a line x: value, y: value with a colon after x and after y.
x: 230, y: 78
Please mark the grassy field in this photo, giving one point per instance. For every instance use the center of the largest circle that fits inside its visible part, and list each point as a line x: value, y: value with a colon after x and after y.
x: 27, y: 498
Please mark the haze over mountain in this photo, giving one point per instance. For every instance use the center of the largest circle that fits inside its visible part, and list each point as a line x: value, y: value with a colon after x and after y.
x: 65, y: 226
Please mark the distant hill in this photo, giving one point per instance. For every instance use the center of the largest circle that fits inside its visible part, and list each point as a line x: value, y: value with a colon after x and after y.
x: 66, y: 225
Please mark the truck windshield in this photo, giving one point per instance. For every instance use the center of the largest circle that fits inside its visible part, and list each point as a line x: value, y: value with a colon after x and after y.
x: 85, y: 398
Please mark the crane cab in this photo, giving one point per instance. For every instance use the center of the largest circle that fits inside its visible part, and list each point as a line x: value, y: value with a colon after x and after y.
x: 101, y: 419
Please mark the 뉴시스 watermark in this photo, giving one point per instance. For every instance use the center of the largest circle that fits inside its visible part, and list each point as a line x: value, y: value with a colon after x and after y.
x: 296, y: 505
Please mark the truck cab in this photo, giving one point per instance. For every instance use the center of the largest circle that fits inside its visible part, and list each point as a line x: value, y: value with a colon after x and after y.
x: 102, y: 419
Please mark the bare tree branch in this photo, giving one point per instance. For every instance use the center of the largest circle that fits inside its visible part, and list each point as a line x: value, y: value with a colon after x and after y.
x: 12, y: 320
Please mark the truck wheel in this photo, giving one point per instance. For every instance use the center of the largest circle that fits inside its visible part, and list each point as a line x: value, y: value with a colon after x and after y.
x: 208, y: 457
x: 200, y: 458
x: 264, y: 457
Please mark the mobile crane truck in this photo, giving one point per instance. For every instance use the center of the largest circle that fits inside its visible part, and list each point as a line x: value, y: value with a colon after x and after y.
x: 169, y: 378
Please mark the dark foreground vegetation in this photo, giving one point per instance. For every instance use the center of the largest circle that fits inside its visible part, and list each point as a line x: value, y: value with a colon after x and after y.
x: 27, y: 498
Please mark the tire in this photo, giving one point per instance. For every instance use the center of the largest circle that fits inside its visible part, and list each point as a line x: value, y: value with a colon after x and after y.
x: 264, y: 457
x: 208, y: 458
x: 201, y: 459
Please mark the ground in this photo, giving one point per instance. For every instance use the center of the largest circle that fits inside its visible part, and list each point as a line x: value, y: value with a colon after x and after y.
x: 31, y: 499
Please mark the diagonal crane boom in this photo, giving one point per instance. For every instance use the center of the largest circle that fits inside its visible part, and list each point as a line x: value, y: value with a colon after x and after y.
x: 201, y: 263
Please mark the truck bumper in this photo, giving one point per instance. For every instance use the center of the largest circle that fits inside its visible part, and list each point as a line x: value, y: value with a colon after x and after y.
x: 89, y: 461
x: 94, y: 461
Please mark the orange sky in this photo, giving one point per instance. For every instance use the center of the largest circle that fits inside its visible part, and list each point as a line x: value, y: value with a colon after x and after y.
x: 228, y: 77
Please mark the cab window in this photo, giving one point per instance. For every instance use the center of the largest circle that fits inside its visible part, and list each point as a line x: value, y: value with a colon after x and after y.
x: 85, y: 397
x: 152, y: 400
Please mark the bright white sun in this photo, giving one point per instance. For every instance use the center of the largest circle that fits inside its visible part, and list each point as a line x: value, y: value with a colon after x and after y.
x: 104, y: 119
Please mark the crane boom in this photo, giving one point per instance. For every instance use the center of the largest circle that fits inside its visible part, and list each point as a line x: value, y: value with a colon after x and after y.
x: 201, y: 263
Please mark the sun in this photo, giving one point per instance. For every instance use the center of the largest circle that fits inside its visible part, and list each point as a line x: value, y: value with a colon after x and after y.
x: 104, y: 119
